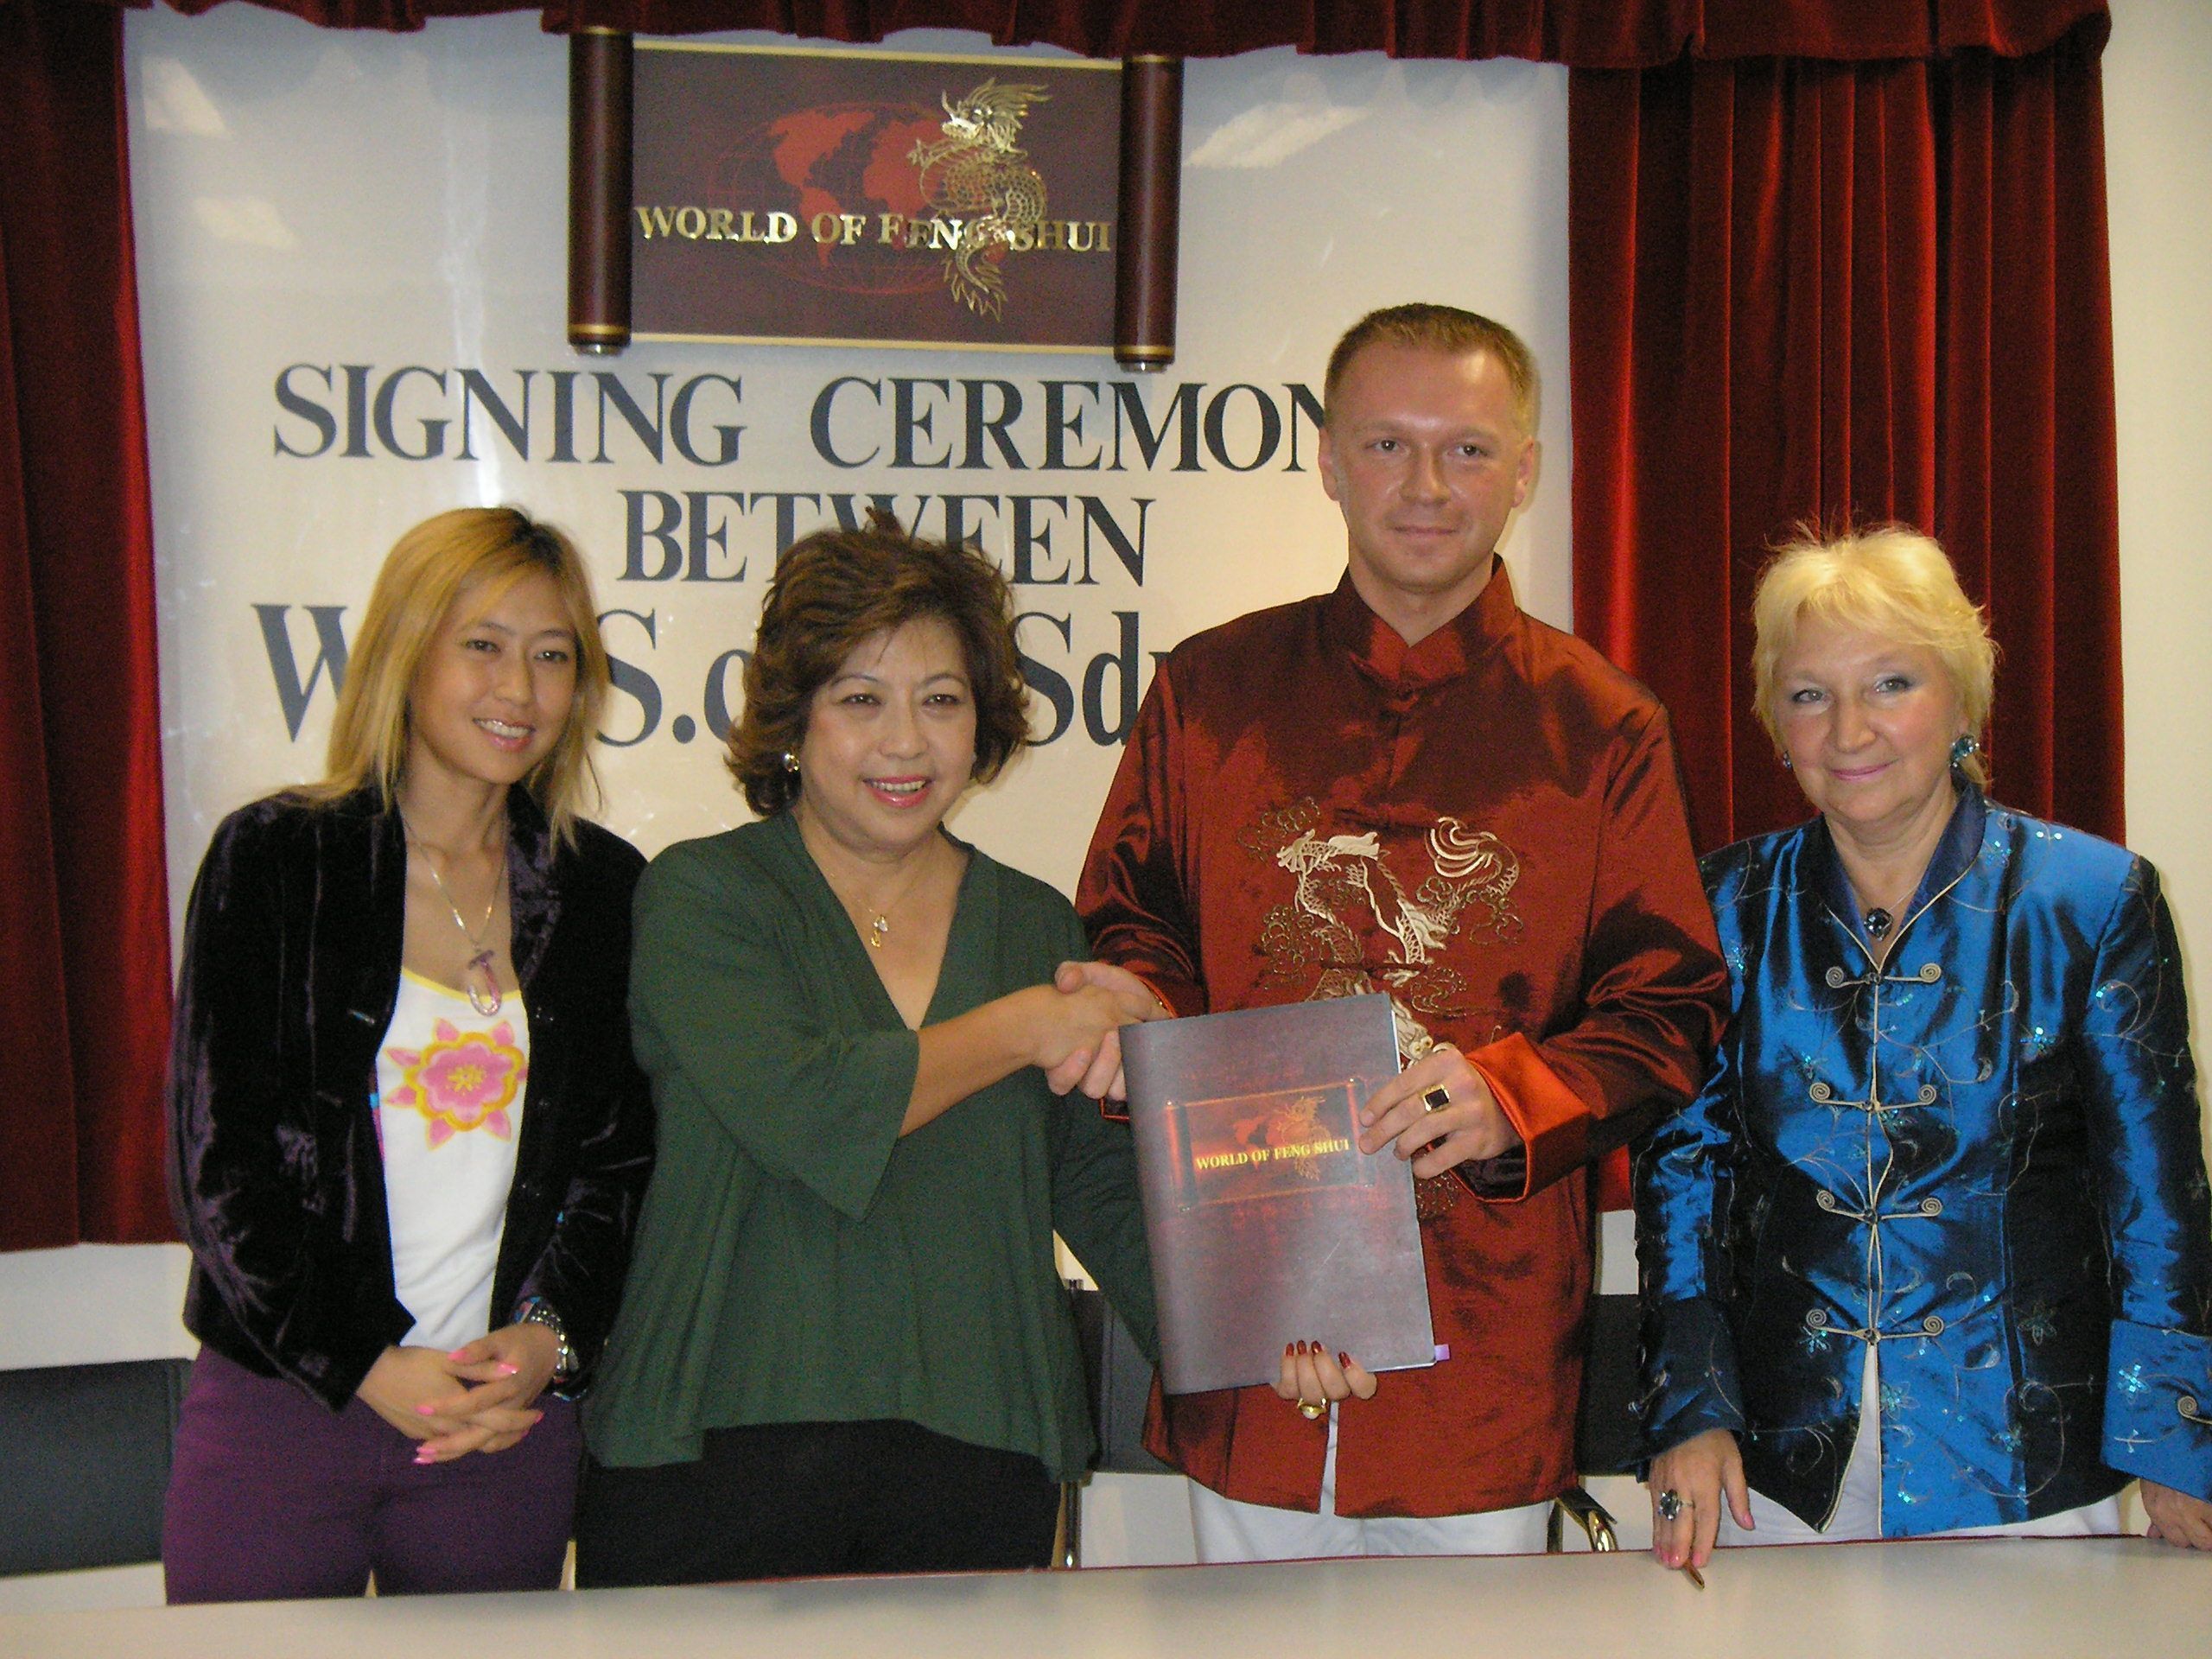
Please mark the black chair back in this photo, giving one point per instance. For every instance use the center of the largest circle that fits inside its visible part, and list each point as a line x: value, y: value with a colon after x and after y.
x: 85, y: 1463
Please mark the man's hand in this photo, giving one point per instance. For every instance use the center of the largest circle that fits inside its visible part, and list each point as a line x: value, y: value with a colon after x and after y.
x: 1467, y: 1127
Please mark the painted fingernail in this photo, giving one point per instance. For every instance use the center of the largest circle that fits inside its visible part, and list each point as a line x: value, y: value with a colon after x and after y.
x: 506, y: 1369
x: 456, y: 1356
x: 424, y: 1411
x: 1289, y: 1349
x: 1344, y: 1359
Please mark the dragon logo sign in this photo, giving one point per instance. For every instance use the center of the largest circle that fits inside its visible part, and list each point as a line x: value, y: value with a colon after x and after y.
x: 979, y: 174
x: 783, y: 194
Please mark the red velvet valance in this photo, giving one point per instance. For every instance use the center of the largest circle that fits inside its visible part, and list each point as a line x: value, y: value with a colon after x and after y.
x: 1581, y: 34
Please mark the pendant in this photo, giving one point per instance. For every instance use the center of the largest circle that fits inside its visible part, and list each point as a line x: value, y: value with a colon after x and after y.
x: 878, y: 932
x: 485, y: 1003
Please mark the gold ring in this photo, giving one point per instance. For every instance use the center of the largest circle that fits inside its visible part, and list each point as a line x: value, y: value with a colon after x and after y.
x: 1436, y: 1099
x: 1310, y: 1410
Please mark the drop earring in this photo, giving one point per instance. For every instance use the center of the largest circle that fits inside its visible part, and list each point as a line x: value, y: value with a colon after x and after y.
x: 1965, y: 748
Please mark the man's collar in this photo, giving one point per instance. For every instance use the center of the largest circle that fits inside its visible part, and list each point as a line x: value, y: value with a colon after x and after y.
x: 1380, y: 652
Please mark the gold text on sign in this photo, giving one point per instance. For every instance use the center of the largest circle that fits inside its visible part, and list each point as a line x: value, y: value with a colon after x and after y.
x: 933, y: 235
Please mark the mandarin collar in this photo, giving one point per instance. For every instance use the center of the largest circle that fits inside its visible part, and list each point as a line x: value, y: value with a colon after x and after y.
x: 1954, y: 854
x: 1381, y: 653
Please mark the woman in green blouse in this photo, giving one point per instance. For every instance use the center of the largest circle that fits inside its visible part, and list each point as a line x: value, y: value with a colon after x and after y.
x: 844, y: 1346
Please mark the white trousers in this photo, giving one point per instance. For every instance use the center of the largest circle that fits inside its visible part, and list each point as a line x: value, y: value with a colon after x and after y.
x: 1858, y: 1508
x: 1228, y: 1530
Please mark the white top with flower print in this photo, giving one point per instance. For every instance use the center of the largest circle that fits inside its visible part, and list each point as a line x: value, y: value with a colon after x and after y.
x: 449, y: 1087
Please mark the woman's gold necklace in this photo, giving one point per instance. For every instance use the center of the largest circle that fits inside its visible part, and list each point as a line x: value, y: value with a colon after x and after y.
x: 488, y: 1001
x: 878, y: 928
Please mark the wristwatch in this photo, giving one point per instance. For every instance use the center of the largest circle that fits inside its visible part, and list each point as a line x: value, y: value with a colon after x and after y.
x: 538, y: 1311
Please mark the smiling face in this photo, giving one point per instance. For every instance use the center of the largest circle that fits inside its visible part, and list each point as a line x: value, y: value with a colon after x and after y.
x: 1425, y: 454
x: 1867, y: 724
x: 494, y: 689
x: 890, y: 741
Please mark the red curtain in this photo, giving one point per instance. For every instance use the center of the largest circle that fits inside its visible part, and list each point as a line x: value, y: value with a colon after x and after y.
x: 1831, y: 293
x: 84, y: 950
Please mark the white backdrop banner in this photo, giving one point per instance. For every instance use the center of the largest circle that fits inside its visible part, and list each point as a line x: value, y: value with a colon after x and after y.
x: 352, y: 258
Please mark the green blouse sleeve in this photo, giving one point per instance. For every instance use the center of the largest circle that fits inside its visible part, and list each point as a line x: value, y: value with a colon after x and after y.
x: 1096, y: 1202
x: 733, y: 998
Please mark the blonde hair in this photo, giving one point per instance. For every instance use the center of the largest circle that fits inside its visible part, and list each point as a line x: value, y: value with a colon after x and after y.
x: 479, y: 552
x: 1447, y: 330
x: 1890, y: 581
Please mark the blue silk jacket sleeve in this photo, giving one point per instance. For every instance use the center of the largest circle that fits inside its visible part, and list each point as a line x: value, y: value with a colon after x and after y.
x: 2140, y: 1085
x: 1096, y: 1207
x: 1685, y: 1172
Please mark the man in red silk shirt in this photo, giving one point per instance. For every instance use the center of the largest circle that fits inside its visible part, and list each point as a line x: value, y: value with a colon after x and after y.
x: 1408, y: 785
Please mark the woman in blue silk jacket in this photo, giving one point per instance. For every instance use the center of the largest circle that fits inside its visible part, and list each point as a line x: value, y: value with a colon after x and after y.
x: 1932, y: 1251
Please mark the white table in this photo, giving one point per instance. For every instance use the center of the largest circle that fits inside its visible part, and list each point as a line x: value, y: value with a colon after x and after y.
x: 2009, y: 1597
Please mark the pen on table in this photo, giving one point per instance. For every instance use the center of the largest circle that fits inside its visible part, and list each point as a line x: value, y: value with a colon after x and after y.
x: 1694, y: 1575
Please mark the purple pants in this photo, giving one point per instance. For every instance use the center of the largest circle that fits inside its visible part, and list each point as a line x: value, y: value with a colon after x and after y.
x: 273, y: 1496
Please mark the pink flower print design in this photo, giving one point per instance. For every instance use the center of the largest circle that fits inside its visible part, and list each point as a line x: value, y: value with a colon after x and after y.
x: 461, y: 1080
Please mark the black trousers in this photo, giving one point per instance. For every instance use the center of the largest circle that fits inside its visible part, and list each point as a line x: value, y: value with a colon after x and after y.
x: 788, y: 1500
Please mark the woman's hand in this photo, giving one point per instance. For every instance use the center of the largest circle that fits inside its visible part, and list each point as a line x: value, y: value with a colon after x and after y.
x: 512, y: 1367
x: 1310, y: 1378
x: 401, y: 1386
x: 414, y: 1390
x: 1066, y: 1029
x: 1470, y: 1126
x: 2177, y: 1519
x: 1095, y: 1000
x: 1698, y: 1472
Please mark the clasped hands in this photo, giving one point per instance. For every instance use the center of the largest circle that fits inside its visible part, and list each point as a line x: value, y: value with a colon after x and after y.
x: 477, y: 1398
x: 1089, y: 1003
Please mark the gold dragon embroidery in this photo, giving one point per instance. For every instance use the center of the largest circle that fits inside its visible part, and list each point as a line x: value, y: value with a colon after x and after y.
x: 977, y: 169
x: 1467, y: 890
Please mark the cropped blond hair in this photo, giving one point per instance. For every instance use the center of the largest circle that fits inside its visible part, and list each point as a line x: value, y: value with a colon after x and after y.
x: 481, y: 552
x: 1891, y: 581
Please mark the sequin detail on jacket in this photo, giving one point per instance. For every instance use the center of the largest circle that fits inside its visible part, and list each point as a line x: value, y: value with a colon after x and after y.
x: 1981, y: 1157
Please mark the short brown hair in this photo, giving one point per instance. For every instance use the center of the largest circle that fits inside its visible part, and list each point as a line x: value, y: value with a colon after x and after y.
x: 465, y: 551
x: 1441, y: 328
x: 835, y: 589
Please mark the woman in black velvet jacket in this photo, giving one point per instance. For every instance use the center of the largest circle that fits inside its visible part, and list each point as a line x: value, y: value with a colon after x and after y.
x: 347, y: 1041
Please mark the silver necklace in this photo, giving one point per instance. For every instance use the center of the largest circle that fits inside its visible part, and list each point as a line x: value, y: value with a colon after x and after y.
x: 488, y: 999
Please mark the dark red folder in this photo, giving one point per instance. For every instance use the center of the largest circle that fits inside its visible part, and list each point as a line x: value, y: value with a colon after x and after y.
x: 1267, y: 1222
